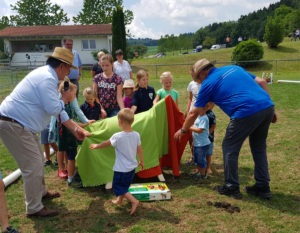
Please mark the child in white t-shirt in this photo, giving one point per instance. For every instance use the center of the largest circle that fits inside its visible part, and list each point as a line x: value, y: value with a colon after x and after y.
x: 127, y: 143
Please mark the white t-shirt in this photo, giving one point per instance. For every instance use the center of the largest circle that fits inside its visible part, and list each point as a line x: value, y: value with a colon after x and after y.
x: 194, y: 88
x: 125, y: 144
x: 123, y: 70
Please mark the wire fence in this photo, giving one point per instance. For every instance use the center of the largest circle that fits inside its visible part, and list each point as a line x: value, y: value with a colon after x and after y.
x: 11, y: 75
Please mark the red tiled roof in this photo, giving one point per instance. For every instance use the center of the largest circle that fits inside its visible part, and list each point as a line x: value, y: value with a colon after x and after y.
x: 63, y: 30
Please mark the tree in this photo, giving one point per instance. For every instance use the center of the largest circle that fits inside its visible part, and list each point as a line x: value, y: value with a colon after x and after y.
x: 274, y: 32
x: 249, y: 50
x: 4, y: 22
x: 136, y: 50
x: 37, y: 12
x: 208, y: 42
x: 101, y: 12
x: 118, y: 31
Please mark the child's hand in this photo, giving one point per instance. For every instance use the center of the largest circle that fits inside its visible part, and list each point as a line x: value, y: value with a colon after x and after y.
x: 103, y: 114
x: 91, y: 122
x: 93, y: 146
x: 141, y: 163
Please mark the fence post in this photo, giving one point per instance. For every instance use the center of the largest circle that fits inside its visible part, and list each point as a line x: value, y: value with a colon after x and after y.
x: 276, y: 67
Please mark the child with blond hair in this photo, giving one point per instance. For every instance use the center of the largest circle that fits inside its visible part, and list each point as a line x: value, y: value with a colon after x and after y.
x: 91, y: 108
x: 143, y: 95
x: 166, y: 79
x: 66, y: 140
x: 127, y: 144
x: 200, y: 131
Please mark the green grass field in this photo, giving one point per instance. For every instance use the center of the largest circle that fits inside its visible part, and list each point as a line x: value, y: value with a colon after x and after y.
x: 90, y: 209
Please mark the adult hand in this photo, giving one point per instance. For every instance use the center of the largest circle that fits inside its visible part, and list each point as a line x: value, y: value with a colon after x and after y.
x: 178, y: 135
x: 274, y: 120
x: 81, y: 133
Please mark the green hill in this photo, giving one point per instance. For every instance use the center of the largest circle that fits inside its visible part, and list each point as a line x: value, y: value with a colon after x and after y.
x: 286, y: 50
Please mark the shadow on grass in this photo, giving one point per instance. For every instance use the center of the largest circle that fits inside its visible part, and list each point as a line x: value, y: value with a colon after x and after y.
x: 282, y: 49
x: 97, y: 219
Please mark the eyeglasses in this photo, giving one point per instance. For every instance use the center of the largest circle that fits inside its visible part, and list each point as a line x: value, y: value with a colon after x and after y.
x: 69, y: 44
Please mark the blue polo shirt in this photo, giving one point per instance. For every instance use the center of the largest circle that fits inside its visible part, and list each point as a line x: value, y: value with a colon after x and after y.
x: 143, y: 99
x: 234, y: 90
x: 74, y: 73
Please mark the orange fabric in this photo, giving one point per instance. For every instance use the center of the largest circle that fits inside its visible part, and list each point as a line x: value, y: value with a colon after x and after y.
x: 172, y: 159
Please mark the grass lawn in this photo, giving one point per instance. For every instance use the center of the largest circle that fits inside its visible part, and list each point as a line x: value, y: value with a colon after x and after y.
x: 90, y: 209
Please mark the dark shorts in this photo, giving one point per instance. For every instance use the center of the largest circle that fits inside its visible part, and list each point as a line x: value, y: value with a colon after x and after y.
x: 122, y: 181
x: 44, y: 136
x: 71, y: 154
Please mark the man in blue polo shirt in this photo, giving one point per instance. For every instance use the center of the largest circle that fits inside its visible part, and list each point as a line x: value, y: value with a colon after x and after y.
x: 245, y: 99
x: 75, y: 74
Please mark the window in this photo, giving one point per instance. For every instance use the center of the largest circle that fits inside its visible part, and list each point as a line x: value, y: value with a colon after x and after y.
x: 88, y: 44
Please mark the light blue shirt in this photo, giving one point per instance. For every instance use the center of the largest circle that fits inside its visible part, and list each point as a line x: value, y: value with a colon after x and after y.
x: 201, y: 139
x: 74, y: 73
x: 34, y: 100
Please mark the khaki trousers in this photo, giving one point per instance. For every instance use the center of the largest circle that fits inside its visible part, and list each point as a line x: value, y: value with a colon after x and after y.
x: 25, y: 147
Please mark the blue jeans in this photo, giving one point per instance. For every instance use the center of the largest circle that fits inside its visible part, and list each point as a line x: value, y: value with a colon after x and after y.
x: 256, y: 127
x: 112, y: 112
x: 200, y: 153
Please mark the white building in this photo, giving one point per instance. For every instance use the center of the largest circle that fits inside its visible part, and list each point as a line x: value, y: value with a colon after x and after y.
x: 28, y: 45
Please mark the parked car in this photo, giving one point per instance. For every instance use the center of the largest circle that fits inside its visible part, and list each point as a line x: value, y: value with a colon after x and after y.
x: 215, y: 46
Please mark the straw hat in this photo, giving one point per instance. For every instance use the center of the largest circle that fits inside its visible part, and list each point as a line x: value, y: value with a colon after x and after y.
x: 64, y: 55
x: 128, y: 83
x: 201, y: 65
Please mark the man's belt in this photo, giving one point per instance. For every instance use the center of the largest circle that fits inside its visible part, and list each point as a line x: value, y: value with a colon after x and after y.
x: 4, y: 118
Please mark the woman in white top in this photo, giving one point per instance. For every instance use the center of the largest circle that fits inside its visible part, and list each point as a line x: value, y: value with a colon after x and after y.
x: 122, y: 67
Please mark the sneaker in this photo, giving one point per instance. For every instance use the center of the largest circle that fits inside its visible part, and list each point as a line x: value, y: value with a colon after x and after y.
x: 55, y: 162
x: 62, y: 174
x: 193, y: 173
x: 47, y: 163
x: 10, y: 230
x: 230, y: 191
x: 199, y: 177
x: 74, y: 183
x: 263, y: 192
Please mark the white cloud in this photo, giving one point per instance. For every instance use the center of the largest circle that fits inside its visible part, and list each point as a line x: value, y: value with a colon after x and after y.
x: 153, y: 18
x: 179, y: 16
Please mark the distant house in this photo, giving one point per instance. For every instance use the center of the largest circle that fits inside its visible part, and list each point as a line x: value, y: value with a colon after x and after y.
x: 28, y: 45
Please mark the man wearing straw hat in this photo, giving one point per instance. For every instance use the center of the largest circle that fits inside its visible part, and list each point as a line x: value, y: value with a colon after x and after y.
x: 27, y: 111
x: 245, y: 99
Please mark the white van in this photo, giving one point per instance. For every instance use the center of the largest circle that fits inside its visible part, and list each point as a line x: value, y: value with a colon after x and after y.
x: 215, y: 46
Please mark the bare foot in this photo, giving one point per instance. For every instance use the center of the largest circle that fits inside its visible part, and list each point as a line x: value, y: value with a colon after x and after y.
x: 134, y: 206
x: 117, y: 202
x: 209, y: 171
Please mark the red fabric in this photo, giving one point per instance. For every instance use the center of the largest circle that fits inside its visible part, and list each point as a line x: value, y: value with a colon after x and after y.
x: 172, y: 159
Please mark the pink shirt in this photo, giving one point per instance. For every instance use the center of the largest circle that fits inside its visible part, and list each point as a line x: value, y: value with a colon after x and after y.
x: 127, y: 102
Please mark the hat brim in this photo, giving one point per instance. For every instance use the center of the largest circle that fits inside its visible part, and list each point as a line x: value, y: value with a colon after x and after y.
x: 210, y: 63
x: 64, y: 61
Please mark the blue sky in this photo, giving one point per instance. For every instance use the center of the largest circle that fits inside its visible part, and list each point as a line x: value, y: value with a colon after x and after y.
x: 153, y: 18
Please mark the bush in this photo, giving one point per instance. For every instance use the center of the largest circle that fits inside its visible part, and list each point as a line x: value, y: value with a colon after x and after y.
x: 94, y: 53
x: 274, y: 32
x: 247, y: 51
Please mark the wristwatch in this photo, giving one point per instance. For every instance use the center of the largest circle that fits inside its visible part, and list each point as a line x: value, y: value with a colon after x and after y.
x: 182, y: 130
